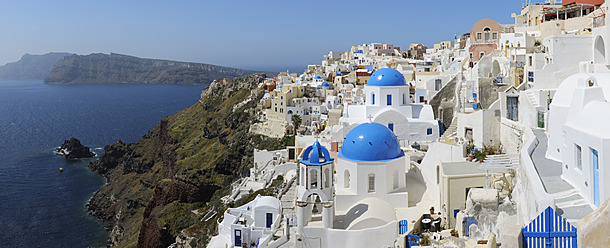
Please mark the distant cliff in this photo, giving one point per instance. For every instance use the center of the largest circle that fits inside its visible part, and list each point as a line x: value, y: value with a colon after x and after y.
x: 117, y: 68
x: 31, y: 66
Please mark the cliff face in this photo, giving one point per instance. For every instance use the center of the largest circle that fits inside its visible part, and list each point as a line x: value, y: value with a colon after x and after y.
x: 31, y: 66
x: 186, y: 163
x: 117, y: 68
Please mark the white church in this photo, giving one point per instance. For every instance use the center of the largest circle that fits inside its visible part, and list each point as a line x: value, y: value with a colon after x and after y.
x: 369, y: 187
x: 388, y: 101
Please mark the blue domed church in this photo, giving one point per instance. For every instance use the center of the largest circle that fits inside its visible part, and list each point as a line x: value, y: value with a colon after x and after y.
x: 371, y: 164
x: 359, y: 191
x: 387, y: 101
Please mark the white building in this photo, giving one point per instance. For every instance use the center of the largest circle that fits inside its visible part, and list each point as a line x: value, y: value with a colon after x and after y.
x: 253, y: 222
x: 388, y: 101
x: 579, y: 135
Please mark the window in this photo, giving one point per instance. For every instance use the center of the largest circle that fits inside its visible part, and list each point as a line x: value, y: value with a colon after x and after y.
x: 438, y: 84
x: 494, y: 36
x: 512, y: 108
x: 471, y: 56
x: 421, y: 99
x: 371, y: 183
x: 429, y: 131
x: 326, y: 178
x: 313, y: 179
x: 486, y: 36
x: 346, y: 179
x: 481, y: 55
x: 578, y: 157
x: 373, y: 98
x: 530, y: 76
x: 395, y: 180
x: 389, y: 99
x: 404, y: 99
x: 391, y: 126
x: 479, y: 36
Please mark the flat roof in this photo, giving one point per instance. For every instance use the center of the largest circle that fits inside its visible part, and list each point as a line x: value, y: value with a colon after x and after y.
x: 462, y: 168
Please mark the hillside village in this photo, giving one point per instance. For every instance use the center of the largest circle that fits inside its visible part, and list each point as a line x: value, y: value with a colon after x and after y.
x: 472, y: 142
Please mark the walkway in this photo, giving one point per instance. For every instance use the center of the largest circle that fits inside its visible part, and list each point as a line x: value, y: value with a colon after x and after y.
x: 569, y: 203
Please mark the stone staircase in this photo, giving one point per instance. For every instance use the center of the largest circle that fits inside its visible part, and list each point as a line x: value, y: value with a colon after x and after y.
x: 451, y: 130
x: 531, y: 96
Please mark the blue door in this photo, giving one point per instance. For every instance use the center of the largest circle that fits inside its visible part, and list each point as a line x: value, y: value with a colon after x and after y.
x: 238, y: 238
x: 391, y: 126
x: 269, y: 219
x: 595, y: 166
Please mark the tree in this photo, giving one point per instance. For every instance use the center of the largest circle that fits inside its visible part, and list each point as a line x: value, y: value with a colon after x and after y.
x: 296, y: 122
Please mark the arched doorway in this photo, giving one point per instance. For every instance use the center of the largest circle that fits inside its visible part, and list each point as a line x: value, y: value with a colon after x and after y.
x: 599, y: 53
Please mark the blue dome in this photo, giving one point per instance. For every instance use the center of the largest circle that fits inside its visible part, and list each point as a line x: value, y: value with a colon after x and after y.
x: 316, y: 154
x: 387, y: 77
x: 325, y: 84
x: 317, y: 77
x: 370, y: 142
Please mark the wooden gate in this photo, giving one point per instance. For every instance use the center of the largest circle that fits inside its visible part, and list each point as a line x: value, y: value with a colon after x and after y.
x: 549, y: 229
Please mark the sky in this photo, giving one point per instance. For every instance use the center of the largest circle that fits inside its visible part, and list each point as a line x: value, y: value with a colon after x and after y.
x: 259, y: 35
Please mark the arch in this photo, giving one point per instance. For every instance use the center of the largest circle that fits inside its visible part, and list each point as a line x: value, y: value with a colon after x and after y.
x: 326, y: 178
x: 495, y: 68
x: 371, y: 182
x: 289, y: 112
x: 313, y: 178
x: 395, y: 179
x: 599, y: 54
x: 346, y: 179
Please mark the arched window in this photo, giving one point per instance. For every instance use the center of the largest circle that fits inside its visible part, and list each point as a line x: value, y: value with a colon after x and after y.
x: 395, y: 179
x: 371, y: 183
x: 326, y: 177
x: 346, y: 179
x: 313, y: 178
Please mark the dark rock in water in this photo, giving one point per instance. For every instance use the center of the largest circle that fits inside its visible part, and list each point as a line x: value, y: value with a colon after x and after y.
x: 73, y: 149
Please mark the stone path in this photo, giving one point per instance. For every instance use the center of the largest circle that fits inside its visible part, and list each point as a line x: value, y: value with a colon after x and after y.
x: 570, y: 204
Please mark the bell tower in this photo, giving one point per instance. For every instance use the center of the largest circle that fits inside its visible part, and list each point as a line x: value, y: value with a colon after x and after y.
x: 315, y: 189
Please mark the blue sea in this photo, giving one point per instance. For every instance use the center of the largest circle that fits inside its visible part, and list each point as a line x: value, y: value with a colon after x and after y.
x: 40, y: 206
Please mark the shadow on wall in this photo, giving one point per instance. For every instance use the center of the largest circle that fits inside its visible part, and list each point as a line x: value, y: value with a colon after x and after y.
x: 416, y: 186
x: 354, y: 213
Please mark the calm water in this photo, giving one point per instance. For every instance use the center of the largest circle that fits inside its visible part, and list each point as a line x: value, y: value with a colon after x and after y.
x: 39, y: 206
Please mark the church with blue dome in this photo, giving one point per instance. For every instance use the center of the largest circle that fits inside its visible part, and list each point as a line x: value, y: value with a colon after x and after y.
x: 371, y: 164
x: 388, y: 101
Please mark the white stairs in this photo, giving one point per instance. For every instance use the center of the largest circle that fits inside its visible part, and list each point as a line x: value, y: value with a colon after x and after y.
x: 531, y: 96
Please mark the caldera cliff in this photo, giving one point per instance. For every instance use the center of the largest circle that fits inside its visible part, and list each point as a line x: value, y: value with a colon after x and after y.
x: 161, y: 186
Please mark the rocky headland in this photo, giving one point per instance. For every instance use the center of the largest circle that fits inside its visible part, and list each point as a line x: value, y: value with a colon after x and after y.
x: 31, y: 66
x: 160, y: 187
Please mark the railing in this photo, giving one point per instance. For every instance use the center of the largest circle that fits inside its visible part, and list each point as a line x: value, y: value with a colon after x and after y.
x: 599, y: 21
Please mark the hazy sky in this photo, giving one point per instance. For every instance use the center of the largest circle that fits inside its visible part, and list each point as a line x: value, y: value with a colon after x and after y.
x: 271, y: 35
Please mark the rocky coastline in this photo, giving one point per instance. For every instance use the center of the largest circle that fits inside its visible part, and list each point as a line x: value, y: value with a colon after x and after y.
x: 183, y: 166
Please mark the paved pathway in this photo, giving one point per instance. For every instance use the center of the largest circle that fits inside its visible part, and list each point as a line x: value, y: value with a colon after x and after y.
x: 570, y: 204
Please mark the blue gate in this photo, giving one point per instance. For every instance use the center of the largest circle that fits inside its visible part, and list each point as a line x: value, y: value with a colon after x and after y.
x: 549, y: 229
